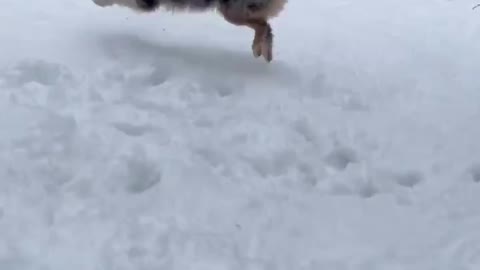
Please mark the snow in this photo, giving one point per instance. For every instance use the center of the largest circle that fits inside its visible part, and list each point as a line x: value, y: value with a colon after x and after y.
x: 157, y: 141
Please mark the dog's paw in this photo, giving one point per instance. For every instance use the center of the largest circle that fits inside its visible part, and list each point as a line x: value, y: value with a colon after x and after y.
x: 267, y: 50
x: 267, y: 45
x: 257, y: 49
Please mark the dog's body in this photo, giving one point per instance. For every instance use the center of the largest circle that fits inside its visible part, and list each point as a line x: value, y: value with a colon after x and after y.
x: 252, y: 13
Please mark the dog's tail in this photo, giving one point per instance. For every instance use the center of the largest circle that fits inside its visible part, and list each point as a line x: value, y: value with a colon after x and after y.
x: 152, y: 5
x: 254, y: 8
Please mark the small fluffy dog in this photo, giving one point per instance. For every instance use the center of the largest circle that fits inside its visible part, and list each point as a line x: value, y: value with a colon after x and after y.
x: 252, y: 13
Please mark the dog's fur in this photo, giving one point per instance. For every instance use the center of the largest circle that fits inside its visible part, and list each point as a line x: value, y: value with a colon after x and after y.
x: 252, y: 13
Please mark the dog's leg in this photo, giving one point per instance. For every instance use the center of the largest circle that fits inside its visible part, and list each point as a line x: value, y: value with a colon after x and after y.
x: 263, y: 40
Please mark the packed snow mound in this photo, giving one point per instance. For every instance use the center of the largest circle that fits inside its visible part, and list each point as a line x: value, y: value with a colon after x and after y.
x: 157, y: 141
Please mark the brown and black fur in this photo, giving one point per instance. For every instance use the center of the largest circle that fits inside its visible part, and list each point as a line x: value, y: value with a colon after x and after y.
x: 254, y: 14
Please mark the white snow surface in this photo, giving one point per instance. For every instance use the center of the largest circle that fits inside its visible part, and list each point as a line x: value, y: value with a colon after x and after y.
x: 157, y: 141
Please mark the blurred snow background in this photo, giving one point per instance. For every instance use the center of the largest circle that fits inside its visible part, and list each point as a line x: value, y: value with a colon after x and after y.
x: 157, y: 141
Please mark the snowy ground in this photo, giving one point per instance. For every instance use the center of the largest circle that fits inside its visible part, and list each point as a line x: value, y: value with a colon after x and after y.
x: 158, y: 142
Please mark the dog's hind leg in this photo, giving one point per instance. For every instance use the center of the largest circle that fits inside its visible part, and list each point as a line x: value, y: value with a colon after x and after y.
x: 263, y: 39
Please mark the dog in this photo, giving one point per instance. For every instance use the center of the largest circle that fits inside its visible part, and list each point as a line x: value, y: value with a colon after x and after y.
x: 254, y: 14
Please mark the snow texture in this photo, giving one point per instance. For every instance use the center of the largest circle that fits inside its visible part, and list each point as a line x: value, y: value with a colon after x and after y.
x: 157, y: 141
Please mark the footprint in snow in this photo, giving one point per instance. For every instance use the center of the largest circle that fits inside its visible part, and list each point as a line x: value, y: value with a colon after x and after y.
x: 340, y: 157
x: 408, y: 179
x: 367, y: 190
x: 475, y: 173
x: 37, y: 71
x: 131, y: 129
x: 141, y: 175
